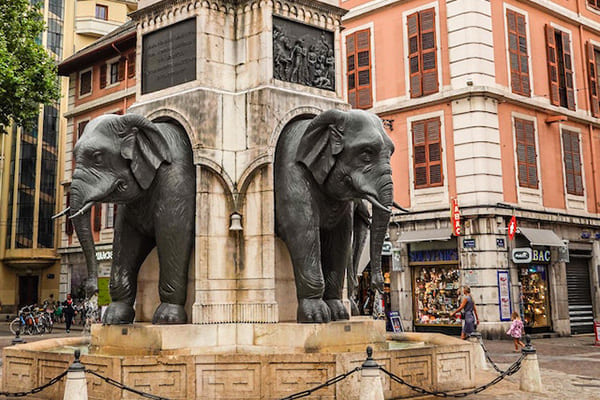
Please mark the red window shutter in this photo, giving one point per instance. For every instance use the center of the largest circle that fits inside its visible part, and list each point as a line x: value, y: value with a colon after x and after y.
x: 428, y: 51
x: 414, y: 52
x: 358, y: 72
x: 121, y: 72
x: 552, y: 66
x: 97, y: 215
x: 526, y: 153
x: 592, y: 80
x: 572, y: 162
x: 566, y: 44
x: 518, y: 57
x: 131, y: 65
x: 68, y: 222
x: 102, y: 76
x: 427, y: 153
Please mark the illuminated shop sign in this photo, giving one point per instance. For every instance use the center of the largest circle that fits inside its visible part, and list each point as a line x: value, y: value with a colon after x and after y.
x: 433, y: 255
x: 524, y: 255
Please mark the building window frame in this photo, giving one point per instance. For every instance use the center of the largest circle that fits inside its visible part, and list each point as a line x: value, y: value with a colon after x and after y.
x: 83, y: 73
x: 509, y: 8
x: 573, y: 200
x: 101, y: 12
x: 373, y: 81
x: 592, y: 59
x: 570, y: 97
x: 525, y: 194
x: 437, y: 35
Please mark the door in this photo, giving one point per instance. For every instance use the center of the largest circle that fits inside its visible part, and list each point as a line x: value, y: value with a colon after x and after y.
x: 28, y: 290
x: 581, y: 314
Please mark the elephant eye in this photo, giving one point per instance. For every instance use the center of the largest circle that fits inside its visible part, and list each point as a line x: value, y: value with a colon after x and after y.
x: 367, y: 155
x: 97, y: 155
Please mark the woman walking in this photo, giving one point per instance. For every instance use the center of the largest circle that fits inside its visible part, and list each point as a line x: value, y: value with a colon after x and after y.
x: 470, y: 319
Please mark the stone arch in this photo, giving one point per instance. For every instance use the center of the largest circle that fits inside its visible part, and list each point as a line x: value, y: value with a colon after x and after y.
x: 292, y: 115
x: 165, y: 115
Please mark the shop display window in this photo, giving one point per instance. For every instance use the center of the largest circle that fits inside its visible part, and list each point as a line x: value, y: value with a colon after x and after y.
x: 536, y: 310
x: 437, y: 295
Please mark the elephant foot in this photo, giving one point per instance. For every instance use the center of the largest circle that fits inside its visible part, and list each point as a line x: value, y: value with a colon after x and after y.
x: 338, y: 311
x: 354, y: 308
x: 168, y: 314
x: 118, y: 313
x: 313, y: 311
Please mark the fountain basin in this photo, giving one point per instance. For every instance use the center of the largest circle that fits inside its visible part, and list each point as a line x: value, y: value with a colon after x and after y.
x: 241, y: 361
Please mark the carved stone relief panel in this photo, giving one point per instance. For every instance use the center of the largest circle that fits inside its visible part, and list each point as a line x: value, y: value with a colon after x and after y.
x: 303, y: 54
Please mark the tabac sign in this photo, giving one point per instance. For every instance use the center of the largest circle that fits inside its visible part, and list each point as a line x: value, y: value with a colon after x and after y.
x: 455, y: 217
x: 524, y: 255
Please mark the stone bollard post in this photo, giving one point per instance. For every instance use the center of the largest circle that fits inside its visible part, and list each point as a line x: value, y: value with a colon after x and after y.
x: 17, y: 339
x: 478, y: 354
x: 76, y: 385
x: 371, y: 387
x: 530, y: 369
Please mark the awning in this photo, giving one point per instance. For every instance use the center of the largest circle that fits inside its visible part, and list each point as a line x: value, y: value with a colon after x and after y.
x: 541, y: 237
x: 425, y: 235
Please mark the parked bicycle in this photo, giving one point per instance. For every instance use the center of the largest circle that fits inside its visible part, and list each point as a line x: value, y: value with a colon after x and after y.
x: 32, y: 321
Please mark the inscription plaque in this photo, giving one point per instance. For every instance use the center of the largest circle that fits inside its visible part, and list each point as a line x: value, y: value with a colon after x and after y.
x: 169, y: 56
x: 303, y: 54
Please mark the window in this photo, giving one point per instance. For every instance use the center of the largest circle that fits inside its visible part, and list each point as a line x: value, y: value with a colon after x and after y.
x: 593, y: 54
x: 358, y: 69
x: 560, y: 69
x: 111, y: 214
x: 102, y: 12
x: 85, y: 82
x: 517, y: 49
x: 114, y: 72
x: 526, y: 153
x: 427, y: 153
x: 131, y: 65
x: 572, y: 162
x: 97, y: 217
x: 422, y: 53
x: 594, y: 3
x: 80, y: 128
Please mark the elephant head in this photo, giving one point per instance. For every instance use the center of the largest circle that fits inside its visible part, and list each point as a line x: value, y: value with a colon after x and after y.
x: 116, y: 159
x: 348, y: 154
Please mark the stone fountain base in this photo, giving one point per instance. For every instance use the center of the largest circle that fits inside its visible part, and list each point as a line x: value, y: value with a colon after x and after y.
x: 241, y: 361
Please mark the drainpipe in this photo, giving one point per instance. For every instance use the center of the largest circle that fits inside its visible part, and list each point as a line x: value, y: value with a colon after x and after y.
x: 591, y: 133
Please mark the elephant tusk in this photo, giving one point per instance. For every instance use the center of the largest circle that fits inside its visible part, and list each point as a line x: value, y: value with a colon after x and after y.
x: 377, y: 204
x: 82, y: 210
x: 397, y: 206
x: 60, y: 214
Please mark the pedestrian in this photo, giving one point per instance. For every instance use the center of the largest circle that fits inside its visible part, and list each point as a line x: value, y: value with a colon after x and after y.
x: 69, y: 312
x: 469, y: 316
x: 516, y: 330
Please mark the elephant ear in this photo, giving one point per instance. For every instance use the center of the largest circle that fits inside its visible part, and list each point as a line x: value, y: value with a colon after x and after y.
x: 322, y: 140
x: 144, y: 144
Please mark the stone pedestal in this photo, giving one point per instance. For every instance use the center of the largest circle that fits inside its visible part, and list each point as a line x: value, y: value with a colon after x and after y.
x: 531, y: 380
x: 227, y: 99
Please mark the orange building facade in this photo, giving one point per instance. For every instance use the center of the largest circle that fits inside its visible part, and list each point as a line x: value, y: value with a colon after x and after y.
x: 102, y: 79
x: 494, y: 104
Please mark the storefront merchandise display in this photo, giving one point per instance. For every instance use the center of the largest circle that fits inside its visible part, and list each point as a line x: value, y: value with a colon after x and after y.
x: 536, y: 310
x: 437, y: 295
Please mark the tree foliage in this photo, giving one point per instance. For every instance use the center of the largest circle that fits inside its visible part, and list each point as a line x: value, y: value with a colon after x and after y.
x: 28, y: 74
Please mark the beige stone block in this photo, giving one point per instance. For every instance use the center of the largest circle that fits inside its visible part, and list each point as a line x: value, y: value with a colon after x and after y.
x: 268, y: 257
x: 253, y: 212
x: 220, y: 258
x: 234, y: 126
x: 214, y: 48
x: 253, y: 258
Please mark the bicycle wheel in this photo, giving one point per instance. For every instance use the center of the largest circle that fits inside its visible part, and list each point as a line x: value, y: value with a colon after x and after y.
x: 15, y: 325
x: 48, y: 325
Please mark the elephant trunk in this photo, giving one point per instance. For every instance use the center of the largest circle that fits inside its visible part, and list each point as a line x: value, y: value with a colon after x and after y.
x: 83, y: 228
x: 379, y: 225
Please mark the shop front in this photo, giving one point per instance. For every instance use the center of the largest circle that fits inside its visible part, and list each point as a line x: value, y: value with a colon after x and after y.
x: 433, y: 261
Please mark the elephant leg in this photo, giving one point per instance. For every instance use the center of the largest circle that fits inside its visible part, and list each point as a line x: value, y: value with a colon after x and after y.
x: 336, y: 255
x: 360, y: 221
x: 130, y: 249
x: 305, y: 251
x: 174, y: 241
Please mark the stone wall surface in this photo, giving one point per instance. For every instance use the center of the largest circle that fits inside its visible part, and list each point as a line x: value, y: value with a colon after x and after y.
x: 439, y: 362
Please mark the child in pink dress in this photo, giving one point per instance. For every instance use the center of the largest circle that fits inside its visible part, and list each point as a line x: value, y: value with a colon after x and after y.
x: 516, y: 330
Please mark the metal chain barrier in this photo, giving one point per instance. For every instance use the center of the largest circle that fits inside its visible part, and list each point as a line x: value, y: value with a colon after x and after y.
x: 37, y: 389
x: 487, y: 356
x: 330, y: 382
x: 510, y: 371
x: 113, y: 382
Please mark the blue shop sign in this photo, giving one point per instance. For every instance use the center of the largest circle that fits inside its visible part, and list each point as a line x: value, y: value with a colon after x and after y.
x: 433, y: 255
